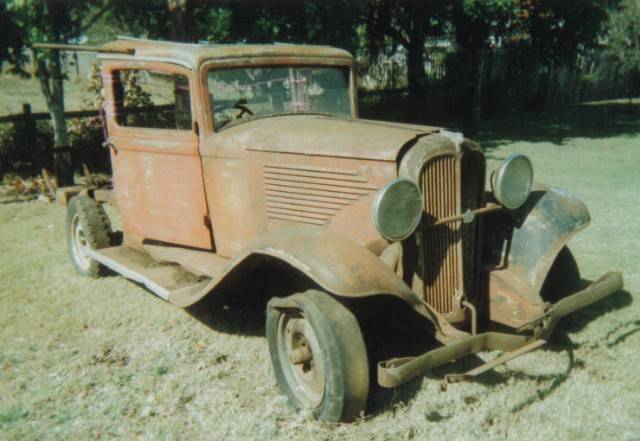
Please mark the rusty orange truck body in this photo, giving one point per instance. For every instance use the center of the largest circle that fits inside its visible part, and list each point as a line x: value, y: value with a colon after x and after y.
x: 231, y: 158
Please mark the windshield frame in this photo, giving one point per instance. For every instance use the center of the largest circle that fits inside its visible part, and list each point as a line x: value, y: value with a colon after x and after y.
x: 206, y: 67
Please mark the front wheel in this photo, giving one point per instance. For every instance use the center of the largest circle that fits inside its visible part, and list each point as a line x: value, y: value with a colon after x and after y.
x: 318, y: 355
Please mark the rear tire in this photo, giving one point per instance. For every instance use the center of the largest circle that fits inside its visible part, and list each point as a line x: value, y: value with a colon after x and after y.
x: 319, y: 356
x: 87, y: 229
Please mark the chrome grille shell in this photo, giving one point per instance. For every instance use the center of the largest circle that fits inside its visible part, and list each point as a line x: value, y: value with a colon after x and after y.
x: 451, y: 184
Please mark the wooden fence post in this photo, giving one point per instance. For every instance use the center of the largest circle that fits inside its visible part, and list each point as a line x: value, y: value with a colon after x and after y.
x: 29, y: 128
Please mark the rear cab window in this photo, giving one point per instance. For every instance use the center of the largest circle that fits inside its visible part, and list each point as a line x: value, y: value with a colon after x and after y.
x: 151, y: 99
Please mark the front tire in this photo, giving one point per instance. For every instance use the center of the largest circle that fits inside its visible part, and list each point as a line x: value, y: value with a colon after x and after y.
x: 87, y: 229
x: 319, y: 356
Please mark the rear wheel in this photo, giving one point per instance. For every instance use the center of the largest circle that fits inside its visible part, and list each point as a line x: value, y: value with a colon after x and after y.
x: 318, y: 355
x: 87, y: 229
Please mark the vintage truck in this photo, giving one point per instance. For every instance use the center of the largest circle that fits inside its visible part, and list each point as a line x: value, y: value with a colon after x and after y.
x: 235, y: 161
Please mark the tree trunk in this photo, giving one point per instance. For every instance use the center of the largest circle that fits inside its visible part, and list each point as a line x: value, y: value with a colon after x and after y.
x: 635, y: 86
x: 616, y: 77
x: 477, y: 64
x: 552, y: 83
x: 51, y: 84
x: 182, y: 20
x: 189, y: 21
x: 417, y: 78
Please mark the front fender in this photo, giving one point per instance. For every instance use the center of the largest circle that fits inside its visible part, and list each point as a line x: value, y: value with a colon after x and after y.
x: 531, y: 243
x: 337, y: 264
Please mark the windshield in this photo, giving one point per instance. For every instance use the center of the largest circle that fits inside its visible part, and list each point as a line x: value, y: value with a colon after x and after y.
x: 241, y: 94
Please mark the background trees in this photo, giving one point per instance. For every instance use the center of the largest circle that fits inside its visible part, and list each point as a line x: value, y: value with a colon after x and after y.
x: 489, y: 54
x: 50, y: 21
x: 479, y: 24
x: 621, y: 43
x: 407, y: 24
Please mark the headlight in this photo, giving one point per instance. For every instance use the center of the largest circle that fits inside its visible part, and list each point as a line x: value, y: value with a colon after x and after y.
x: 397, y: 209
x: 512, y: 181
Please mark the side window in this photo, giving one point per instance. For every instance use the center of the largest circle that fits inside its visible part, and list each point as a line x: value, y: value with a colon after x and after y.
x: 150, y: 99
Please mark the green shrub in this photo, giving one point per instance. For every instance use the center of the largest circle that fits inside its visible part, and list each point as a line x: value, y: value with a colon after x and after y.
x: 25, y: 152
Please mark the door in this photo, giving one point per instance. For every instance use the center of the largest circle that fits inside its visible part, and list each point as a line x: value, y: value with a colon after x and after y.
x: 157, y: 169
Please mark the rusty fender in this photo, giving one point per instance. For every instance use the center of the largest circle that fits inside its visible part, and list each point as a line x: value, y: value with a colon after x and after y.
x: 337, y: 264
x: 526, y: 245
x: 396, y: 371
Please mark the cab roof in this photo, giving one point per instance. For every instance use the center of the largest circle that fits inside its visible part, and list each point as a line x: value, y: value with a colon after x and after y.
x: 192, y: 55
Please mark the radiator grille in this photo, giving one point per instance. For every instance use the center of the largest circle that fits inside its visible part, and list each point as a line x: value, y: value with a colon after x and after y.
x: 310, y: 195
x: 450, y: 186
x: 440, y: 188
x: 473, y: 177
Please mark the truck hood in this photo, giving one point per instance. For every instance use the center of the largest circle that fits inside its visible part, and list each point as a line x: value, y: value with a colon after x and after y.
x: 323, y: 136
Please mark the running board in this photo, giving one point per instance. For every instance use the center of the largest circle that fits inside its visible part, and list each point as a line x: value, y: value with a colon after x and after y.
x: 162, y: 279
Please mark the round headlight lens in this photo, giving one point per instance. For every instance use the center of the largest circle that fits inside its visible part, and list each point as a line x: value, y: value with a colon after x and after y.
x: 512, y: 181
x: 397, y: 209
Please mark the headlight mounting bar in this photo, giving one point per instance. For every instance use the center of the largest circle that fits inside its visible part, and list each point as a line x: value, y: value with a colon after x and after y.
x: 469, y: 215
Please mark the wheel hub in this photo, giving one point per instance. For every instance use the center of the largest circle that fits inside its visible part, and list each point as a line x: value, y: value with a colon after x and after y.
x: 302, y: 354
x: 81, y: 245
x: 300, y: 357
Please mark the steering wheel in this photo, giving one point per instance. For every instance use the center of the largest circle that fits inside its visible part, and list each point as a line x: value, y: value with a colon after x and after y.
x: 241, y: 105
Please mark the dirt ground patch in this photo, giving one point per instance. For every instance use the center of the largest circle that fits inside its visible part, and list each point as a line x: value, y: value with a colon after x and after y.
x: 103, y: 359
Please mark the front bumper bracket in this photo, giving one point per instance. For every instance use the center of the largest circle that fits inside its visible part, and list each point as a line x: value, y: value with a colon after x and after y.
x: 392, y: 373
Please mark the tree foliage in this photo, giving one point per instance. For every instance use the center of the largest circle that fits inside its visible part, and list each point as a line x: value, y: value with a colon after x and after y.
x: 11, y: 40
x: 556, y: 31
x: 220, y: 21
x: 622, y: 40
x: 405, y: 24
x: 537, y: 36
x: 479, y: 24
x: 51, y: 21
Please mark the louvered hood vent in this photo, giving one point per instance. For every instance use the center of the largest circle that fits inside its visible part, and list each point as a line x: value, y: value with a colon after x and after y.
x: 310, y: 195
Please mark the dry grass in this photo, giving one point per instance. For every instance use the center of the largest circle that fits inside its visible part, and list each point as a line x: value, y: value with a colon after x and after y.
x: 102, y: 359
x: 14, y: 91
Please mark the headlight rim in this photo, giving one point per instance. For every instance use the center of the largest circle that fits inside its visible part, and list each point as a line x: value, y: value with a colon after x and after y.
x: 498, y: 176
x: 375, y: 206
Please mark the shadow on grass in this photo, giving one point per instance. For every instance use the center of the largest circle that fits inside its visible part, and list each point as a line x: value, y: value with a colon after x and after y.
x: 392, y: 329
x: 16, y: 199
x: 560, y: 341
x: 581, y: 318
x: 408, y: 335
x: 382, y: 400
x: 595, y: 121
x: 635, y: 327
x: 232, y: 312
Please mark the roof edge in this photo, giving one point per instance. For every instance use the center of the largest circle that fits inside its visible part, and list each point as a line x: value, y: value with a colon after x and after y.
x: 194, y: 54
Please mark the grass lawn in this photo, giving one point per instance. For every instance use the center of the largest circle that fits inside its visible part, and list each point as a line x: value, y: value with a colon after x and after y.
x: 15, y: 91
x: 102, y: 359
